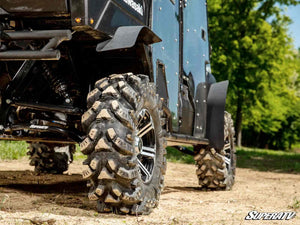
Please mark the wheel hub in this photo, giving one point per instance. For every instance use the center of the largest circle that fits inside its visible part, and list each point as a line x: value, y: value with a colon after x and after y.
x: 138, y: 144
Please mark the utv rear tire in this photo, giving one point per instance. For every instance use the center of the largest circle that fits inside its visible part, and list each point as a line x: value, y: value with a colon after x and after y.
x: 216, y: 170
x: 126, y: 159
x: 50, y: 158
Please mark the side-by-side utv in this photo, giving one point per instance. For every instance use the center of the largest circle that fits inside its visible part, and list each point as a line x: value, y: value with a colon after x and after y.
x: 125, y: 79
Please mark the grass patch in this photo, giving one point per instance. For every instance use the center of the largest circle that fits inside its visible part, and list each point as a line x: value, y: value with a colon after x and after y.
x: 295, y: 205
x: 173, y: 155
x: 296, y: 147
x: 12, y: 149
x: 268, y: 160
x: 257, y: 159
x: 78, y: 154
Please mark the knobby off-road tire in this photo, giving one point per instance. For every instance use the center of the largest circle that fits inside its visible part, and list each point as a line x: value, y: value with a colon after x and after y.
x: 216, y: 170
x: 50, y: 158
x: 126, y: 158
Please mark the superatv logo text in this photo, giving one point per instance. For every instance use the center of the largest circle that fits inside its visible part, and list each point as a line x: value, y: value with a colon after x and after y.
x: 136, y: 6
x: 254, y: 215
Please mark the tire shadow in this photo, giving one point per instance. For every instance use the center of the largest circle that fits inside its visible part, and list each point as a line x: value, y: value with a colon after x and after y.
x: 171, y: 189
x: 64, y: 190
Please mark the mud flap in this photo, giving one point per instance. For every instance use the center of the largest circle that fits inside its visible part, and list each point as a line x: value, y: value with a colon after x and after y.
x: 216, y: 101
x: 127, y: 37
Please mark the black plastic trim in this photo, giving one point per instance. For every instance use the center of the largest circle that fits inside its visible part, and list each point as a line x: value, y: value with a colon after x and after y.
x: 161, y: 82
x: 127, y: 37
x: 216, y: 101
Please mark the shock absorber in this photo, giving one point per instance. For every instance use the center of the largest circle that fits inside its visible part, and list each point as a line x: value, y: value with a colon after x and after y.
x: 58, y: 85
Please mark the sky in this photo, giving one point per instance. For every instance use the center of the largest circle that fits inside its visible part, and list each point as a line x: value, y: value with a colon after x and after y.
x: 294, y: 13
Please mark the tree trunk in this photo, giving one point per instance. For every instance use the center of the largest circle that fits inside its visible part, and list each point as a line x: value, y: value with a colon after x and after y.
x: 239, y: 120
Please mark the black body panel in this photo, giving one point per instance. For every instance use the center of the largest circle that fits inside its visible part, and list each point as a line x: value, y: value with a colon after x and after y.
x: 35, y: 8
x: 187, y: 112
x: 201, y: 110
x: 108, y: 15
x: 161, y: 82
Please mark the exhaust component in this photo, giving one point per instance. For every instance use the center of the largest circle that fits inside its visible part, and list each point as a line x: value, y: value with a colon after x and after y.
x: 30, y: 55
x: 75, y: 136
x: 46, y: 53
x: 37, y: 35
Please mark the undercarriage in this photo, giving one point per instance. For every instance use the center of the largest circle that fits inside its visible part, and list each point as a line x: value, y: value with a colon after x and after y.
x: 96, y: 73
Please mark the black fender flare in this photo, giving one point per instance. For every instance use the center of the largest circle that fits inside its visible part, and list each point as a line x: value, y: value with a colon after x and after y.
x: 216, y: 101
x: 127, y: 37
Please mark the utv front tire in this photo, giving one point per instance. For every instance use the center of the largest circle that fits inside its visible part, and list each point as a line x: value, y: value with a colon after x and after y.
x: 216, y: 169
x: 126, y: 159
x: 50, y: 158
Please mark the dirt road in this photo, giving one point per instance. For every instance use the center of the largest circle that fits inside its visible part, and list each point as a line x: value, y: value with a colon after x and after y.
x: 47, y: 199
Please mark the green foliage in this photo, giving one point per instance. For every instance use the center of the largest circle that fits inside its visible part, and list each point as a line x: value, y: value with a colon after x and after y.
x: 12, y: 150
x: 251, y: 48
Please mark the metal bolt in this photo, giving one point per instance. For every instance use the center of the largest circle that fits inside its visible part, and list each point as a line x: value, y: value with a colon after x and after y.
x: 198, y: 114
x: 160, y: 8
x: 197, y: 101
x: 163, y: 48
x: 204, y: 100
x: 8, y: 101
x: 188, y: 30
x: 1, y: 127
x: 176, y: 73
x: 68, y: 100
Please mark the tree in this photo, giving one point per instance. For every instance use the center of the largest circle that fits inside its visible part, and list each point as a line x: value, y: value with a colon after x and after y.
x: 250, y: 46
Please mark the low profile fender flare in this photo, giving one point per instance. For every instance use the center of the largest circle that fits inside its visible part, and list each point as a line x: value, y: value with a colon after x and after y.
x: 127, y: 36
x: 216, y: 101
